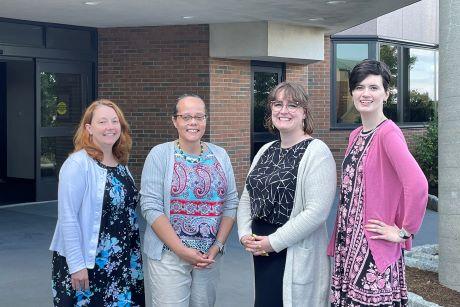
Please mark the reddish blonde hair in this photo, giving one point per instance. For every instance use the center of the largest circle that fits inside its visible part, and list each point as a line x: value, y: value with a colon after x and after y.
x: 82, y: 139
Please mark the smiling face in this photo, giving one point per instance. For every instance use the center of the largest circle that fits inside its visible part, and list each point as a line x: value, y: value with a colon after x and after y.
x: 105, y: 127
x: 286, y: 120
x: 193, y: 130
x: 369, y: 95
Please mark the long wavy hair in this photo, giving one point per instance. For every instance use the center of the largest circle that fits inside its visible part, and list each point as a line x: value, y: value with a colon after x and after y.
x: 83, y: 140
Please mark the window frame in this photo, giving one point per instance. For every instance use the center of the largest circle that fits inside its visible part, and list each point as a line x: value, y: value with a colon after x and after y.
x: 402, y: 83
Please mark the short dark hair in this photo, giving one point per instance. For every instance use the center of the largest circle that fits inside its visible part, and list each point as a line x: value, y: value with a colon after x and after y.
x: 369, y: 67
x: 297, y: 93
x: 174, y: 113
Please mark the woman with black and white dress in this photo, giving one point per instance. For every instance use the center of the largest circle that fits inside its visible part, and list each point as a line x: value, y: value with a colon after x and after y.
x: 284, y: 206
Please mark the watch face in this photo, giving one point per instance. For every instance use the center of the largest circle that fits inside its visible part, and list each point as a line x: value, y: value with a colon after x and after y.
x: 402, y: 234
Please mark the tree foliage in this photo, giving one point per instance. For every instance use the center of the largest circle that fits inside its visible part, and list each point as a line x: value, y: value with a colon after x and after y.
x: 426, y: 154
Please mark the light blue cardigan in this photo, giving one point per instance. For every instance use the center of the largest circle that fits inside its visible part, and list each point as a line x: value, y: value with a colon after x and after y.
x: 156, y: 190
x: 80, y: 196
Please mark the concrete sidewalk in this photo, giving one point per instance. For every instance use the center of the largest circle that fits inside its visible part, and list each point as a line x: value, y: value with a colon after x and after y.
x: 25, y: 262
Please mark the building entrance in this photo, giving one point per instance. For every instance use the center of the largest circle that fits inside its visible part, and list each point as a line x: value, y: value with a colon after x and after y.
x: 41, y: 104
x: 17, y: 128
x: 46, y: 80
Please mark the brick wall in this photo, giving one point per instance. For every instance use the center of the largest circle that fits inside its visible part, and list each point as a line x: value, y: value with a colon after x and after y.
x: 230, y: 112
x: 144, y: 70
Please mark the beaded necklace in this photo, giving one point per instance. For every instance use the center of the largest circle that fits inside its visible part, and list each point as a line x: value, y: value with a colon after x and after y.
x: 189, y: 158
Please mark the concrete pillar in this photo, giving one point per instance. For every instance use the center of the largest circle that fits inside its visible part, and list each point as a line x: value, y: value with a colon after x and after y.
x: 449, y: 143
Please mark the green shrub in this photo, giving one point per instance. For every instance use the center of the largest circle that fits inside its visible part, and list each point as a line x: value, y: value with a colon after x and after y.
x: 426, y: 154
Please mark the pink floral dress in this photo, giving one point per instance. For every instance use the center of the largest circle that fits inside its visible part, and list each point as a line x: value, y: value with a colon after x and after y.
x: 355, y: 278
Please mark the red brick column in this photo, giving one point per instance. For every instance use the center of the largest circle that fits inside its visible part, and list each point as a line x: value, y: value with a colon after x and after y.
x: 230, y: 112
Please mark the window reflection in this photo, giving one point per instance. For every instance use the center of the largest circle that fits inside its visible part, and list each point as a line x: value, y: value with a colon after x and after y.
x: 422, y: 85
x: 347, y: 56
x: 264, y: 82
x: 60, y: 99
x: 54, y: 150
x: 389, y: 55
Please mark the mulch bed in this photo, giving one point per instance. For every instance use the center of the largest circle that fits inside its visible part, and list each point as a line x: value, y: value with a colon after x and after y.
x: 426, y: 284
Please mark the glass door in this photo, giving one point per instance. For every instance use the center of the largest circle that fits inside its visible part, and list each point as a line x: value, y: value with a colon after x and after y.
x: 264, y: 79
x: 63, y: 91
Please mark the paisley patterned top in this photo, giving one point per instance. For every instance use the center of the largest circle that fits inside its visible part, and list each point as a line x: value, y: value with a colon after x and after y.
x: 197, y: 199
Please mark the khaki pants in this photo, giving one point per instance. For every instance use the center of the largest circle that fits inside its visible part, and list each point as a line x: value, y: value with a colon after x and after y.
x: 172, y: 282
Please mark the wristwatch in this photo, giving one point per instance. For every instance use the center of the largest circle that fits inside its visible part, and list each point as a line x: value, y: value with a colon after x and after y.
x: 220, y: 245
x: 403, y: 234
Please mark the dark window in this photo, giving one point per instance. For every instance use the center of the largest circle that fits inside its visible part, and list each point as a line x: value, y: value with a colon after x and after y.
x: 265, y: 76
x: 70, y: 39
x: 413, y: 87
x: 21, y: 34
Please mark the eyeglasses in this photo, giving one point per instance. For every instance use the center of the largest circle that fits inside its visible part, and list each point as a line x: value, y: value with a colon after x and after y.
x: 291, y: 106
x: 188, y: 118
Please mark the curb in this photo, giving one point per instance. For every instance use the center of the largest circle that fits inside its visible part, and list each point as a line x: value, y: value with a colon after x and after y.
x: 418, y: 301
x: 423, y: 257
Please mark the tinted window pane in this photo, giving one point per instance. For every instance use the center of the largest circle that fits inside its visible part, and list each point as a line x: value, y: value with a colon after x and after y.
x: 21, y: 34
x: 61, y: 103
x: 54, y: 151
x: 347, y: 56
x: 389, y: 55
x: 264, y: 82
x: 60, y: 38
x: 422, y: 86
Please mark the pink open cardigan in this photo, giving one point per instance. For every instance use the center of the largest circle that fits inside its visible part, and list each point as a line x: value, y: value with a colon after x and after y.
x: 396, y: 191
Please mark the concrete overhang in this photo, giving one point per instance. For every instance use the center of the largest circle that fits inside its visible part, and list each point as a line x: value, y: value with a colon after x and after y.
x: 267, y: 41
x: 331, y: 16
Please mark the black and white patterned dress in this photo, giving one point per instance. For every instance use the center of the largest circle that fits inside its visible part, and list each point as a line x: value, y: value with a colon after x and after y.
x: 117, y: 278
x: 271, y: 186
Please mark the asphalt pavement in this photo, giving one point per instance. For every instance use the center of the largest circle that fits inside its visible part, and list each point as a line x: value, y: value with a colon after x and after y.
x: 25, y: 261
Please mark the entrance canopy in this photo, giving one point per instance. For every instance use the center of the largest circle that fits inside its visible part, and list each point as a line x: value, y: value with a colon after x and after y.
x: 331, y: 16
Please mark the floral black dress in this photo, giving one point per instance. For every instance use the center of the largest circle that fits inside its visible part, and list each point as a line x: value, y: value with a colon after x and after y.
x: 355, y: 278
x: 117, y: 278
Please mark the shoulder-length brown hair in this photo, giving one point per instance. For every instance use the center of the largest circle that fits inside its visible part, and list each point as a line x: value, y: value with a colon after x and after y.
x: 296, y: 93
x: 82, y: 139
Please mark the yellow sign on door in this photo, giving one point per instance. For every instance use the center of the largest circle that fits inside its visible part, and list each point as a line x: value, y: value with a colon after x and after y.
x: 61, y: 108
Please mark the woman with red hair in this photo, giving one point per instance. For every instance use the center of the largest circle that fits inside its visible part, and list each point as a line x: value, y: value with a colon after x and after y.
x: 96, y: 246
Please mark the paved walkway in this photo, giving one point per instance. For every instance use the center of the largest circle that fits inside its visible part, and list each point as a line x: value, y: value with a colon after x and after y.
x: 25, y: 235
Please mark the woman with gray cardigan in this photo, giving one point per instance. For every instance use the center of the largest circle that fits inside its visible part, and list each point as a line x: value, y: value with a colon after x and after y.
x: 284, y: 206
x: 189, y: 199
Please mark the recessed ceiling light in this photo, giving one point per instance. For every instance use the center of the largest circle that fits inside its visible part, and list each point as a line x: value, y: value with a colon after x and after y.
x: 188, y: 17
x: 92, y: 2
x: 336, y: 2
x: 316, y: 19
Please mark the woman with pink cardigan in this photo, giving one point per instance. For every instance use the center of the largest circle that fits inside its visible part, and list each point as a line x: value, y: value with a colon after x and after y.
x: 382, y: 201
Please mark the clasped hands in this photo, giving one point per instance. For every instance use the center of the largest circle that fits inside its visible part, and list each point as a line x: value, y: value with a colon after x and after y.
x: 197, y: 258
x: 257, y: 245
